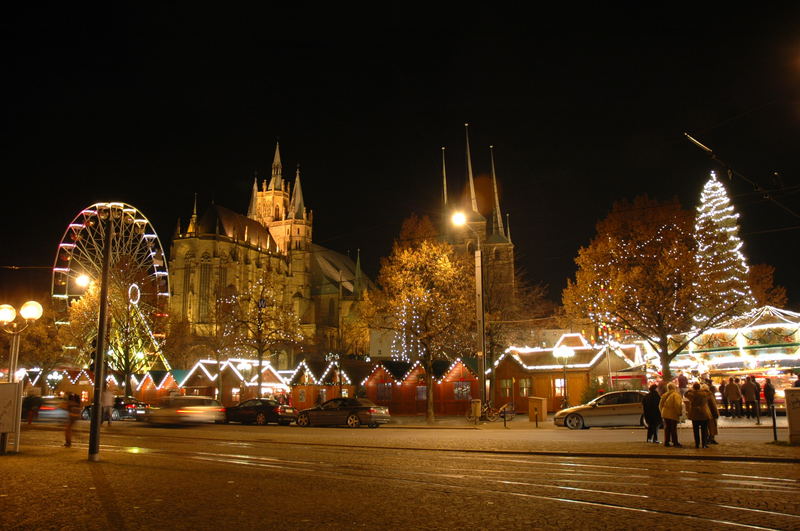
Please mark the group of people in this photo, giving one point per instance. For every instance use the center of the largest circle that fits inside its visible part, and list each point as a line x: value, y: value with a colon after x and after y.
x: 745, y: 397
x: 669, y: 407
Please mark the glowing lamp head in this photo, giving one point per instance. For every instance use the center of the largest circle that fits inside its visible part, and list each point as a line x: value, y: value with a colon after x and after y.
x: 459, y: 219
x: 31, y: 311
x: 563, y: 352
x: 83, y: 281
x: 7, y: 313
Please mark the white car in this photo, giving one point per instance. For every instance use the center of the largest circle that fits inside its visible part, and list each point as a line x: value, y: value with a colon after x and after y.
x: 185, y: 410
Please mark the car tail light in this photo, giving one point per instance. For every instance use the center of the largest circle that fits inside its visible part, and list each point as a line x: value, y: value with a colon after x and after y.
x: 375, y: 410
x: 278, y: 410
x: 130, y: 406
x: 47, y: 408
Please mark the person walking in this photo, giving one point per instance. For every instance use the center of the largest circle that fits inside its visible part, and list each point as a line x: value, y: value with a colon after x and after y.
x: 699, y: 413
x: 683, y: 383
x: 758, y: 398
x: 734, y: 396
x: 724, y: 398
x: 769, y: 395
x: 749, y: 395
x: 73, y: 407
x: 652, y: 413
x: 671, y: 407
x: 713, y: 427
x: 107, y: 403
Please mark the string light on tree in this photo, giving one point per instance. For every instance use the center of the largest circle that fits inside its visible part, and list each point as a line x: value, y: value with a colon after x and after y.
x: 719, y: 255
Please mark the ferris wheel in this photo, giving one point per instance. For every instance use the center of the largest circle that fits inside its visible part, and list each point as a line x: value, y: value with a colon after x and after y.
x: 138, y: 276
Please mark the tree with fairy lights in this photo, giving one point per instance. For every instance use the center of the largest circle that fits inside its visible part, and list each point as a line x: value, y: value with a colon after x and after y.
x: 639, y: 273
x: 426, y: 300
x: 266, y: 319
x: 723, y: 267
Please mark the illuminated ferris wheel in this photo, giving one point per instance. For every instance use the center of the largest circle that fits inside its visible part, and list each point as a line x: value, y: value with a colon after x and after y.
x: 138, y: 276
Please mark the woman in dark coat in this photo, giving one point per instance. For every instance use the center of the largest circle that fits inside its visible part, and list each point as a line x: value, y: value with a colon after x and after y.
x: 652, y: 415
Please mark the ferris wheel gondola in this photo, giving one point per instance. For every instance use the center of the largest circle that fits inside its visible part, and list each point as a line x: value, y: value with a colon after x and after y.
x: 139, y: 278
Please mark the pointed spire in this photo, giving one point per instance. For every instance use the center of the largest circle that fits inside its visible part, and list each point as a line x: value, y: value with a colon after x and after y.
x: 276, y: 183
x: 297, y: 205
x: 444, y: 180
x: 193, y: 220
x: 357, y: 287
x: 469, y: 173
x: 251, y: 210
x: 508, y: 228
x: 496, y: 197
x: 177, y: 229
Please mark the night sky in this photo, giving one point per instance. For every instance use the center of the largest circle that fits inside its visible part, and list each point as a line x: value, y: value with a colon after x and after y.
x: 583, y: 107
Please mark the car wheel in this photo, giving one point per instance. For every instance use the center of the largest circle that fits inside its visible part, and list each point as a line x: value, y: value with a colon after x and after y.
x: 85, y: 414
x: 261, y: 419
x: 353, y: 421
x: 574, y: 421
x: 114, y: 415
x: 303, y: 420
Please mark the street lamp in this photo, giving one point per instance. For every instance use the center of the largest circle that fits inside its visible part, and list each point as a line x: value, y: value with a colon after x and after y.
x: 460, y: 220
x: 30, y: 312
x: 565, y: 353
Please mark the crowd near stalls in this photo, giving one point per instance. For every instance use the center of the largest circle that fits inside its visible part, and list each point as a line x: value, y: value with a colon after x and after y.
x: 565, y: 369
x: 764, y: 343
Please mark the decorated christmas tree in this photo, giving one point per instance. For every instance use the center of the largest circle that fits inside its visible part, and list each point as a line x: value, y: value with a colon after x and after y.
x: 725, y: 290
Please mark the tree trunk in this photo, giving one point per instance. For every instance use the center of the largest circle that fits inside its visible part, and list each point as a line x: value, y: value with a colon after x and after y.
x: 430, y: 416
x: 260, y: 376
x: 666, y: 373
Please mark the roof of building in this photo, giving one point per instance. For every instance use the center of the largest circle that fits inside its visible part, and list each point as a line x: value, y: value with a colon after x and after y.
x: 220, y: 220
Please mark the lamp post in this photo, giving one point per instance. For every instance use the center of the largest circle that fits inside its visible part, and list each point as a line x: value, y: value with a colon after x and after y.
x: 460, y: 220
x: 30, y: 312
x: 565, y: 353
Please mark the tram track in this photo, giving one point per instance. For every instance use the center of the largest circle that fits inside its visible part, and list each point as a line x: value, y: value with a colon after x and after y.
x: 545, y: 491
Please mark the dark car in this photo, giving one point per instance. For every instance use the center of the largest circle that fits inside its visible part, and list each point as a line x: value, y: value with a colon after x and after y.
x: 125, y: 407
x: 352, y: 412
x: 261, y: 411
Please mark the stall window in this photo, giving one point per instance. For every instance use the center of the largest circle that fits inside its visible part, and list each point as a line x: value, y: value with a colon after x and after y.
x: 558, y: 385
x: 301, y: 395
x: 385, y: 391
x: 422, y: 392
x: 462, y: 390
x: 506, y: 387
x: 525, y: 387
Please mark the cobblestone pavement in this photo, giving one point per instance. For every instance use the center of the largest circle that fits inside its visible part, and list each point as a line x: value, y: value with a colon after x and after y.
x: 253, y: 477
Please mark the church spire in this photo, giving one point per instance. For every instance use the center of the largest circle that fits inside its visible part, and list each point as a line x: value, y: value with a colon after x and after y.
x: 508, y: 228
x: 358, y: 281
x: 498, y: 215
x: 276, y: 183
x: 444, y: 181
x: 469, y: 173
x: 251, y: 210
x: 193, y: 220
x: 297, y: 206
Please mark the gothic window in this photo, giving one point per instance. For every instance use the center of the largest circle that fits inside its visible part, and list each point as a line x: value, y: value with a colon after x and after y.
x: 205, y: 289
x: 496, y: 255
x: 187, y: 276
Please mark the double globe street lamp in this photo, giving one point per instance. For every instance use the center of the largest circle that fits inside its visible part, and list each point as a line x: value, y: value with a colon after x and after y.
x: 564, y: 353
x: 30, y: 312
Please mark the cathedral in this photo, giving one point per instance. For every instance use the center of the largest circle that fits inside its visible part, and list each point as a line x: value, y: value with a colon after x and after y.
x: 222, y: 253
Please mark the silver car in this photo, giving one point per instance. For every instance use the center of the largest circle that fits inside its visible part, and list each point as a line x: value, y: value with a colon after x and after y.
x: 185, y: 410
x: 617, y: 408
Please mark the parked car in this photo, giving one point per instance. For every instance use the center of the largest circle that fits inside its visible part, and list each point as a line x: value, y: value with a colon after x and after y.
x: 125, y: 407
x: 185, y: 410
x: 52, y: 408
x: 261, y: 411
x: 616, y: 408
x: 352, y: 412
